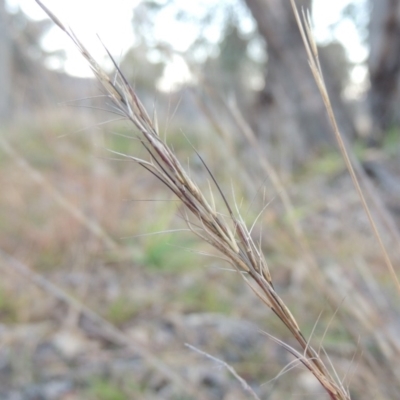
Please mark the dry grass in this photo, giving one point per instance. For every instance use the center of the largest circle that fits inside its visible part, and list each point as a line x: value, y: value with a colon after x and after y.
x: 217, y: 222
x: 225, y: 232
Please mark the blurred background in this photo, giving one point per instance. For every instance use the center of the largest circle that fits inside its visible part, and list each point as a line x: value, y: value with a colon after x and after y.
x: 101, y: 286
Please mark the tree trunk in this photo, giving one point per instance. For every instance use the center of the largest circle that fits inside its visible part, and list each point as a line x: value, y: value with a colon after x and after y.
x: 293, y: 110
x: 384, y: 65
x: 5, y: 66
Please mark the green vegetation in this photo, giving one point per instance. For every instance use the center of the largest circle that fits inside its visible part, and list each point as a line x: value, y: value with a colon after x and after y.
x: 391, y: 141
x: 204, y: 298
x: 8, y: 307
x: 102, y: 389
x: 122, y: 310
x: 167, y: 253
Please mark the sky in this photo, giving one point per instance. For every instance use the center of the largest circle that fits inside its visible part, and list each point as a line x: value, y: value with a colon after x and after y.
x: 111, y: 20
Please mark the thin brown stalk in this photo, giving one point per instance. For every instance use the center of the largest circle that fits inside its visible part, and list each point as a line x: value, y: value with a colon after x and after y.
x: 244, y: 384
x: 313, y: 58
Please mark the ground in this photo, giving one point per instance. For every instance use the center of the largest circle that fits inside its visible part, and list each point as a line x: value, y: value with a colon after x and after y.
x: 75, y: 257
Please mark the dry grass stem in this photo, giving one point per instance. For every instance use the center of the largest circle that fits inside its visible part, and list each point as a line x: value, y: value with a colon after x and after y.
x: 313, y: 58
x: 228, y: 234
x: 244, y: 384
